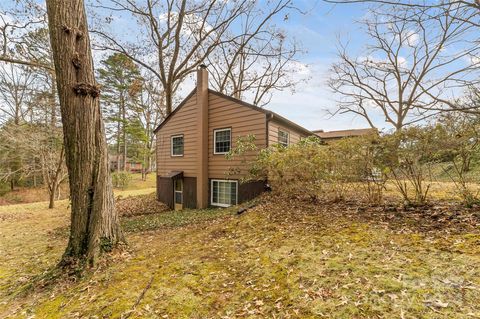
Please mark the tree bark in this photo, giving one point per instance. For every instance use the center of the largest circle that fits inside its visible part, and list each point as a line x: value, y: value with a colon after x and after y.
x: 124, y: 133
x: 168, y: 99
x: 55, y: 180
x: 94, y: 222
x: 118, y: 139
x: 51, y: 202
x: 53, y: 94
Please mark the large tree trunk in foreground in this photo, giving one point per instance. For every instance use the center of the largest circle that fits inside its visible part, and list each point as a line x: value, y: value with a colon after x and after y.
x: 94, y: 222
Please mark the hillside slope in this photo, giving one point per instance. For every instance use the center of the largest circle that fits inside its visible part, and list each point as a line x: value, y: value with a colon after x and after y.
x: 279, y: 260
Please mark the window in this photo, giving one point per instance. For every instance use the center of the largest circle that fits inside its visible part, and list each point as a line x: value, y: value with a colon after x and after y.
x: 178, y: 189
x: 224, y: 193
x: 222, y: 141
x: 283, y: 138
x: 177, y: 145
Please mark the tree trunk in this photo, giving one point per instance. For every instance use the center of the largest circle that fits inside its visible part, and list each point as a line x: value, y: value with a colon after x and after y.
x: 144, y: 168
x: 51, y: 203
x: 53, y: 93
x: 124, y: 133
x: 95, y: 225
x: 168, y: 99
x: 118, y: 139
x: 54, y: 181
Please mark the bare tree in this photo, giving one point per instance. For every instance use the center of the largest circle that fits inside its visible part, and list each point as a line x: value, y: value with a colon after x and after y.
x: 32, y: 149
x: 256, y: 64
x: 411, y: 63
x: 150, y: 111
x: 18, y: 156
x: 15, y: 88
x: 174, y: 37
x: 95, y: 225
x: 470, y: 8
x: 35, y: 45
x: 26, y: 16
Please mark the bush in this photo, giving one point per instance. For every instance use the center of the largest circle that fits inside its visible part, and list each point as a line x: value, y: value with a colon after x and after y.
x: 362, y: 165
x: 311, y: 168
x: 121, y: 179
x: 408, y: 158
x: 459, y: 149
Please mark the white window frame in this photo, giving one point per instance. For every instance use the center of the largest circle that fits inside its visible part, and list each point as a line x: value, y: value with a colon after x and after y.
x: 288, y: 137
x: 171, y: 145
x: 211, y: 192
x: 215, y: 140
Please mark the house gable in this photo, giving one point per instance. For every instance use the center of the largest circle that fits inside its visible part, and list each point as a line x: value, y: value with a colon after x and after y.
x: 223, y: 112
x: 243, y: 120
x: 182, y: 121
x: 192, y: 142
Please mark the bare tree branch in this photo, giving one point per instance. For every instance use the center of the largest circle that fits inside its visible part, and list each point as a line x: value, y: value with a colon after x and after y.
x: 411, y: 63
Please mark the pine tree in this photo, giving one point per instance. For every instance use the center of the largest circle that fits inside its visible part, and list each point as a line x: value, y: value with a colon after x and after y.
x: 120, y: 80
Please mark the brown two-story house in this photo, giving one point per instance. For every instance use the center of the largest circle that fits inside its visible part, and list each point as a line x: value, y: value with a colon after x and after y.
x: 193, y: 140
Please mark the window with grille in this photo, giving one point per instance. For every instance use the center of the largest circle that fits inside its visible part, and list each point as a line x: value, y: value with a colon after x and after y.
x: 224, y: 192
x: 177, y: 145
x: 283, y: 138
x: 178, y: 191
x: 222, y: 141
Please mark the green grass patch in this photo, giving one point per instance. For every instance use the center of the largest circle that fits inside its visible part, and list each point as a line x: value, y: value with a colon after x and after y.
x: 172, y: 219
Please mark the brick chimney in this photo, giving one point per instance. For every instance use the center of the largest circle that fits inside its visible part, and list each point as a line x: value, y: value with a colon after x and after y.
x: 202, y: 133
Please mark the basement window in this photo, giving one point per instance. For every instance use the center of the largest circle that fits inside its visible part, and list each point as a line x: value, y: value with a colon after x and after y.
x: 283, y: 138
x: 177, y: 145
x: 224, y: 193
x: 222, y: 141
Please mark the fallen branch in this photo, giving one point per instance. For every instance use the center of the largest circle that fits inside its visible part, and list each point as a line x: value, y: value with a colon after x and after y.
x: 139, y: 299
x: 244, y: 209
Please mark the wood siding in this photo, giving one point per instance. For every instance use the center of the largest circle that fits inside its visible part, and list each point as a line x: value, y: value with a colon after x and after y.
x: 243, y: 120
x: 190, y: 192
x: 183, y: 122
x: 274, y: 126
x: 165, y: 190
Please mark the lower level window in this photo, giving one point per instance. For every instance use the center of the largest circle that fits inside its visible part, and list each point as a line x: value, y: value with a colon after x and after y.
x: 224, y: 192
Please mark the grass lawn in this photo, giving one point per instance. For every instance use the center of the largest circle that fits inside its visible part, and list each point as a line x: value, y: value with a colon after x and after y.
x: 280, y: 259
x: 23, y: 195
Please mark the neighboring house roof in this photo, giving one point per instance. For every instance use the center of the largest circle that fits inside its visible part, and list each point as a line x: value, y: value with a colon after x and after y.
x: 271, y: 115
x: 345, y: 133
